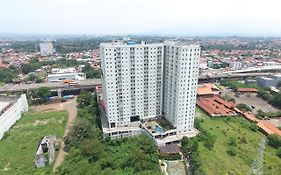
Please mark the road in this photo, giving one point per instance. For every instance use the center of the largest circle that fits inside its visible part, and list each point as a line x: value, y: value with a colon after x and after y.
x: 52, y: 85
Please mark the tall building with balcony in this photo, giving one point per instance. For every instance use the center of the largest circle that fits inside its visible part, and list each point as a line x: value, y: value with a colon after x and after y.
x: 143, y: 81
x: 132, y: 81
x: 181, y: 68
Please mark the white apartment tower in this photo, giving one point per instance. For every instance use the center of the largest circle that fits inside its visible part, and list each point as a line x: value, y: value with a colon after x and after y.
x: 181, y: 68
x: 143, y: 81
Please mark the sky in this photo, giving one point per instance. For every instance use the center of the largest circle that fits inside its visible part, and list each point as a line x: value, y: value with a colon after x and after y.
x: 161, y: 17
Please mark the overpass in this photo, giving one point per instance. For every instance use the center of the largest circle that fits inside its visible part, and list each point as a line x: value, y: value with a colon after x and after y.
x: 91, y: 83
x: 229, y: 76
x: 86, y: 84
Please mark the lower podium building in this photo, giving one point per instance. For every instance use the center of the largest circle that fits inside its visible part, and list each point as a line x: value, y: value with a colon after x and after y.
x: 149, y: 88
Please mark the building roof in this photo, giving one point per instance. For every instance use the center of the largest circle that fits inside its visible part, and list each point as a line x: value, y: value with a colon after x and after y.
x: 170, y: 149
x: 247, y: 90
x: 207, y: 89
x: 216, y: 106
x: 268, y: 127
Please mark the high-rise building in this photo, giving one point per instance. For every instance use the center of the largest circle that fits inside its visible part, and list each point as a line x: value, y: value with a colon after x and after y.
x: 132, y: 81
x: 142, y: 81
x: 46, y: 48
x: 181, y: 68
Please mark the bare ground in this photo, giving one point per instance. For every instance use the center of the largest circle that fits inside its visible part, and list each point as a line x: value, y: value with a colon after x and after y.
x: 252, y: 100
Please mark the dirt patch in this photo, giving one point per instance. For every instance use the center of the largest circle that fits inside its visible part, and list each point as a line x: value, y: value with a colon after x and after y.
x: 7, y: 167
x: 276, y: 122
x: 48, y: 107
x: 40, y: 122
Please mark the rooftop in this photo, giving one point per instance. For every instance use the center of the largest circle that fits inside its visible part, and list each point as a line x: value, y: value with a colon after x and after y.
x: 208, y: 89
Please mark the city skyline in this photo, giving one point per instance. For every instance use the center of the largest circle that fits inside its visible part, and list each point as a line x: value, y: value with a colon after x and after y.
x: 193, y: 18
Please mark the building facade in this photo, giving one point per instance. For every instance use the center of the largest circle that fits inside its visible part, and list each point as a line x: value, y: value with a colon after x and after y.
x: 132, y: 81
x: 142, y: 81
x: 181, y: 68
x: 11, y: 112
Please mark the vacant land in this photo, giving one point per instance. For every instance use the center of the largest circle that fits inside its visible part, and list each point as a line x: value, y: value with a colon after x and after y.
x: 217, y: 161
x: 18, y: 147
x: 251, y: 100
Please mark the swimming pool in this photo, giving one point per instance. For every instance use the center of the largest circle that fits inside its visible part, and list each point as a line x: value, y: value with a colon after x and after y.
x: 159, y: 129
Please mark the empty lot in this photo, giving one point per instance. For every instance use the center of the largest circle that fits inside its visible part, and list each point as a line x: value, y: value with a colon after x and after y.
x: 252, y: 100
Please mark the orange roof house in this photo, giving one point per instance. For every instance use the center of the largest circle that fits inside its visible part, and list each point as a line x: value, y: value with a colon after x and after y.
x: 247, y: 90
x: 208, y: 89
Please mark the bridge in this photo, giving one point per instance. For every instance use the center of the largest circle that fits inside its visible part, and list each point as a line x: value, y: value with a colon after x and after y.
x: 86, y: 84
x: 229, y: 76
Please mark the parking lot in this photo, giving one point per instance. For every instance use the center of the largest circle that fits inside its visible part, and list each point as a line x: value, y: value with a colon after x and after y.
x: 251, y: 100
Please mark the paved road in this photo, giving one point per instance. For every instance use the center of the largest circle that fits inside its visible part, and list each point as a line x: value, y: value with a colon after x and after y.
x: 19, y: 87
x: 89, y: 82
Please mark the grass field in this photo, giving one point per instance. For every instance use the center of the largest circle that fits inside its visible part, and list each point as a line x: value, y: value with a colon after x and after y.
x: 217, y: 161
x: 18, y: 147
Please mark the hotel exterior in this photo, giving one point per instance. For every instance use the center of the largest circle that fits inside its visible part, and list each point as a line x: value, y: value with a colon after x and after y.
x: 147, y: 81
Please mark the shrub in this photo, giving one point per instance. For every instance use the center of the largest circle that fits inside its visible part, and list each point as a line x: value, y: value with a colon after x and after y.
x: 279, y: 152
x: 231, y: 151
x: 274, y: 140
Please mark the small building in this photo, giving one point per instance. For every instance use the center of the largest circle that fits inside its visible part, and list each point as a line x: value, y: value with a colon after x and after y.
x: 270, y: 81
x: 208, y: 90
x: 168, y: 150
x: 45, y: 147
x: 247, y: 90
x: 66, y: 76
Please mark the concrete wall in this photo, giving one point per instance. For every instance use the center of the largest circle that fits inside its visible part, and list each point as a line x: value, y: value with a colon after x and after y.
x: 9, y: 117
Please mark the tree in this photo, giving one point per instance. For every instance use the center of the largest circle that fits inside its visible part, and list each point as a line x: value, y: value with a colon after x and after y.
x: 260, y: 114
x: 85, y: 99
x: 231, y: 151
x: 91, y: 72
x: 209, y: 140
x: 276, y: 101
x: 81, y: 130
x: 43, y: 92
x: 232, y: 141
x: 274, y: 140
x: 92, y: 149
x: 243, y: 107
x: 7, y: 75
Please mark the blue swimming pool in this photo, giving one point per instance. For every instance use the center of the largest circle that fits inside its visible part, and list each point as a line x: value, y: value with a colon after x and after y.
x: 159, y: 129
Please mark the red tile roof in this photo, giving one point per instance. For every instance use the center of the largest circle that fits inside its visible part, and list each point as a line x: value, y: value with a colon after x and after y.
x: 252, y: 90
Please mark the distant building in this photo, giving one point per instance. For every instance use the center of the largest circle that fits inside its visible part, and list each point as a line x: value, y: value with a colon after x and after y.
x: 63, y: 71
x: 46, y: 48
x: 270, y: 81
x: 70, y: 73
x: 247, y: 90
x: 66, y: 76
x: 235, y: 65
x: 11, y: 109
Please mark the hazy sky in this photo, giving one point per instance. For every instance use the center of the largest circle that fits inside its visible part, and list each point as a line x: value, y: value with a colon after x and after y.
x: 170, y: 17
